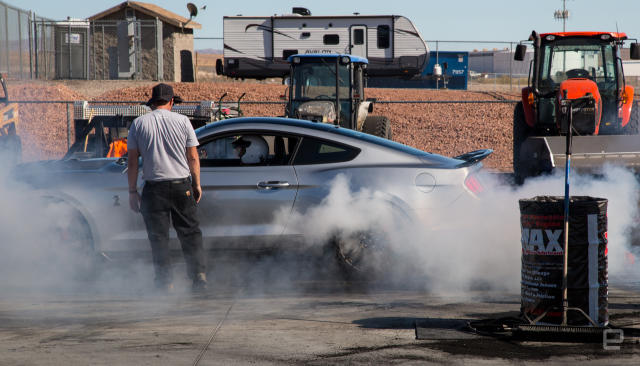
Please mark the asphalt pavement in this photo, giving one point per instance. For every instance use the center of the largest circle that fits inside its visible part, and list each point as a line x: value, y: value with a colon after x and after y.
x: 257, y: 314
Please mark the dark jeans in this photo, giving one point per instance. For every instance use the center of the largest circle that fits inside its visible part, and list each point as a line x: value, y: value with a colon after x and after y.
x: 172, y: 199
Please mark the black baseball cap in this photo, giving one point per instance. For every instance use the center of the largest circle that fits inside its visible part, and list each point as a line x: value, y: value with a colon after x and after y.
x: 163, y: 92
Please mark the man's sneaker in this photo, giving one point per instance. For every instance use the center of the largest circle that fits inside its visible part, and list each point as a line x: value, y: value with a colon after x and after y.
x: 199, y: 282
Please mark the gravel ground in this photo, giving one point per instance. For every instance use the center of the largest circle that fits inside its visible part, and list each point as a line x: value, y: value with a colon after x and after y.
x: 448, y: 129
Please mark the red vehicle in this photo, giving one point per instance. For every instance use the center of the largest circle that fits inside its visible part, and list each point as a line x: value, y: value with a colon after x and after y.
x: 585, y: 66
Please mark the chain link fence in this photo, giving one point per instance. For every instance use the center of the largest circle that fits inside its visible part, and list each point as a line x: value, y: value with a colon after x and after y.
x: 34, y: 47
x: 15, y: 36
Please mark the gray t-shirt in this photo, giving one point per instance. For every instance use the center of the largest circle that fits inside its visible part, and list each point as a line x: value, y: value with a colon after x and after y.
x: 162, y: 137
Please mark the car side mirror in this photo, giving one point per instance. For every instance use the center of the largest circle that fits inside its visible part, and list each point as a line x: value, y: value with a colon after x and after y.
x: 635, y: 51
x: 521, y: 51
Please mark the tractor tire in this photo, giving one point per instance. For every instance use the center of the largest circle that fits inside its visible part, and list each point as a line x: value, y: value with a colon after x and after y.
x: 520, y: 133
x: 378, y: 126
x: 632, y: 127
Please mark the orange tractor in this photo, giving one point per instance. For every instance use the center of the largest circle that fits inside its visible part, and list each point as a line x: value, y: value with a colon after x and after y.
x: 584, y: 67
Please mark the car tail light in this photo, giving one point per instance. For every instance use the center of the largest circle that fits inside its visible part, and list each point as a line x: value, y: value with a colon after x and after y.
x: 473, y: 184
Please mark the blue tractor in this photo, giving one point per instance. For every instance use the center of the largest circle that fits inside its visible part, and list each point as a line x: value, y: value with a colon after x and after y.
x: 329, y: 88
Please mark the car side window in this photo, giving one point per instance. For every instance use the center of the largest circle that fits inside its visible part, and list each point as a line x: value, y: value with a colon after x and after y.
x: 246, y: 149
x: 316, y: 151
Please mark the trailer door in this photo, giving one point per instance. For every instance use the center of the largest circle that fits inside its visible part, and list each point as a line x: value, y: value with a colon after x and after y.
x: 358, y: 41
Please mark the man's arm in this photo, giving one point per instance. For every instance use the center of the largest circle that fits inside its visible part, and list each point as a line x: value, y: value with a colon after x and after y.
x: 132, y: 175
x: 194, y: 168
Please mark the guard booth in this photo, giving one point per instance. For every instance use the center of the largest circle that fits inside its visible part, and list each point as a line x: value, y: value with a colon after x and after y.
x: 72, y: 49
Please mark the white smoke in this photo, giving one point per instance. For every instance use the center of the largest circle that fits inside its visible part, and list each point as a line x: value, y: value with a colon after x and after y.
x: 474, y: 244
x: 482, y: 249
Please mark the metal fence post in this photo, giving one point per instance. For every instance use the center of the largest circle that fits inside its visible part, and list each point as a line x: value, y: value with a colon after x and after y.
x: 35, y: 45
x: 104, y: 77
x: 6, y: 34
x: 510, y: 65
x: 68, y: 126
x: 68, y: 46
x: 29, y: 46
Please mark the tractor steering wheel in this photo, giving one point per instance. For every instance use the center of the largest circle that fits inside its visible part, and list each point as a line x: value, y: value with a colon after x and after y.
x: 322, y: 96
x: 578, y: 73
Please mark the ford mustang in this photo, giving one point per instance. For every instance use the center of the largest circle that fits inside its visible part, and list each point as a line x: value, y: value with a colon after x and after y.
x: 268, y: 182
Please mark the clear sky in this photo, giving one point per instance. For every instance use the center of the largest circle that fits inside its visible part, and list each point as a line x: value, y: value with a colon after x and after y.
x: 468, y: 20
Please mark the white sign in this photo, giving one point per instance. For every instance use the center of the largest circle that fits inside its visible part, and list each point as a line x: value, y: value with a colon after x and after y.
x: 75, y: 38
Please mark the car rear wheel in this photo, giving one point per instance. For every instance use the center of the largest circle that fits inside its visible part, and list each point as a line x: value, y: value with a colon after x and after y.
x: 363, y: 255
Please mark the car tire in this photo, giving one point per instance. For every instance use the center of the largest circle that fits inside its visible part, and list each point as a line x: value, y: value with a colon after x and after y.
x: 363, y: 255
x: 70, y: 242
x: 378, y: 126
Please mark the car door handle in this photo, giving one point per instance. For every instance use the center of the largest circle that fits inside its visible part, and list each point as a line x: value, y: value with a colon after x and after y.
x: 273, y: 184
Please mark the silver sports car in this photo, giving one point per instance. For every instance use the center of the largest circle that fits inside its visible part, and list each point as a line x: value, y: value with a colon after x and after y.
x: 269, y: 182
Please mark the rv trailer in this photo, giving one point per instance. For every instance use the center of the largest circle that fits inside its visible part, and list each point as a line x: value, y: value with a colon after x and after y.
x: 258, y: 47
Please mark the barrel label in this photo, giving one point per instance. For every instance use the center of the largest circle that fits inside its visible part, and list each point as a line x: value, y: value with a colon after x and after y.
x: 541, y: 242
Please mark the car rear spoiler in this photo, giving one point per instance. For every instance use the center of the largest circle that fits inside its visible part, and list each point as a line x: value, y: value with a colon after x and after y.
x: 473, y: 157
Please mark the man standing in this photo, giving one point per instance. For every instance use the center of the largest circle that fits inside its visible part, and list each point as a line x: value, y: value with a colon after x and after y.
x: 171, y: 171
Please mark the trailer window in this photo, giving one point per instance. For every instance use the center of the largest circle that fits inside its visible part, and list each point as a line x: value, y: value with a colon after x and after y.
x: 331, y: 39
x: 383, y: 36
x: 358, y: 36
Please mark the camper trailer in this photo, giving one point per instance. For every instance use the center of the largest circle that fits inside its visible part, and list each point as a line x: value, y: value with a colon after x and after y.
x: 258, y: 47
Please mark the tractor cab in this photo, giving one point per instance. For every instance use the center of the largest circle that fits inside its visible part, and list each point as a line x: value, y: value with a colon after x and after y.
x: 328, y: 88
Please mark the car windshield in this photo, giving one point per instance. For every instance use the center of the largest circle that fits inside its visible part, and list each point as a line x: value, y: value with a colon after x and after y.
x: 577, y: 58
x: 317, y: 80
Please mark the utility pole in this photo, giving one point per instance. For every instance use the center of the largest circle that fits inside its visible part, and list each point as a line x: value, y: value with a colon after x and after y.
x: 562, y: 15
